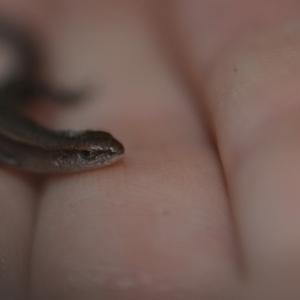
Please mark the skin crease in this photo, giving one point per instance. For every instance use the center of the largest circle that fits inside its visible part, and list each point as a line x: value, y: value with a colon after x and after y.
x: 204, y: 95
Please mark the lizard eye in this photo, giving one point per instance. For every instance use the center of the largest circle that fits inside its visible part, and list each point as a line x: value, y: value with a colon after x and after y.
x: 86, y: 154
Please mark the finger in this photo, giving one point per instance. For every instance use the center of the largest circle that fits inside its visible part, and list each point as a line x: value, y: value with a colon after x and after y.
x: 17, y: 201
x: 257, y: 130
x: 156, y: 224
x: 18, y: 194
x: 253, y: 98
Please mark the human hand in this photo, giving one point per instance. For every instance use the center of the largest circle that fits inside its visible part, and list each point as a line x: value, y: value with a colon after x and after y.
x: 204, y: 96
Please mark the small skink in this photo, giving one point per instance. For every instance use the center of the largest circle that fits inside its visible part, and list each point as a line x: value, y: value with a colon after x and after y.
x: 26, y: 145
